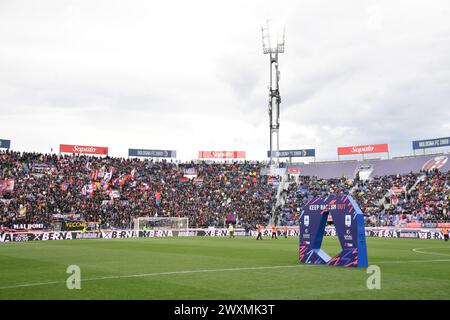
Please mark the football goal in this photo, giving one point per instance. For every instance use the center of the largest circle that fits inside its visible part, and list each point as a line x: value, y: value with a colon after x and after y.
x: 162, y: 223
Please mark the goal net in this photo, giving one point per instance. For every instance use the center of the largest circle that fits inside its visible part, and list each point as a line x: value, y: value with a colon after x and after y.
x: 162, y: 223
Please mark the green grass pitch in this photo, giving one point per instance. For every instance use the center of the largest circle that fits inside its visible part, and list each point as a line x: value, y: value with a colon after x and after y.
x: 218, y: 268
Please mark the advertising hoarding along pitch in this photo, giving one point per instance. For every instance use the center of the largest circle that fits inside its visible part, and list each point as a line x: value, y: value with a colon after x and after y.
x: 372, y: 148
x: 293, y: 153
x: 5, y: 144
x: 221, y: 154
x: 431, y: 143
x: 152, y: 153
x: 67, y: 148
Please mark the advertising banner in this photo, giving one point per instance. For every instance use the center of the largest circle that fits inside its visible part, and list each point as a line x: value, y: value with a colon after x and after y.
x: 293, y: 153
x: 431, y: 143
x: 221, y: 154
x: 152, y: 153
x: 373, y: 148
x: 413, y: 225
x: 400, y: 233
x: 67, y: 148
x: 443, y: 225
x: 5, y: 144
x: 206, y: 232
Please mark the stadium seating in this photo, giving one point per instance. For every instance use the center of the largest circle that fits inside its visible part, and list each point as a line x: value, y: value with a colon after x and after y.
x: 113, y: 191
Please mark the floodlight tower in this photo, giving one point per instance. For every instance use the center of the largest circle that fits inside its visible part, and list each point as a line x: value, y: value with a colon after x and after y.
x: 273, y: 33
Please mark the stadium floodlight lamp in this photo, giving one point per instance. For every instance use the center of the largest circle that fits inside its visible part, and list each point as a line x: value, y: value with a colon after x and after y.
x: 273, y: 36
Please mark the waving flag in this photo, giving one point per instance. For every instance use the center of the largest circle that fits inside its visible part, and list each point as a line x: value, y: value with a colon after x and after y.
x: 102, y: 172
x: 7, y: 185
x: 231, y: 217
x: 184, y: 180
x: 94, y: 174
x: 158, y: 197
x: 90, y: 189
x: 198, y: 181
x: 114, y: 194
x: 123, y: 178
x: 64, y: 186
x: 107, y: 177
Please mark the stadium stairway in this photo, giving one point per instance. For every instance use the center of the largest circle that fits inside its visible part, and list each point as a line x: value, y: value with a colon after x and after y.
x: 280, y: 200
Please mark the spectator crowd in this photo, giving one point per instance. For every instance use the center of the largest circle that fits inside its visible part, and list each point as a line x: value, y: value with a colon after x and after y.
x: 385, y: 201
x: 113, y: 191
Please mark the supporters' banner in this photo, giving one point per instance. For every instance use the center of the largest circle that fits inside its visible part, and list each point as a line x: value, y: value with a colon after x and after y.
x: 372, y: 148
x: 152, y: 153
x: 66, y: 148
x: 293, y: 170
x: 7, y: 185
x: 73, y: 225
x: 398, y: 190
x: 43, y: 167
x: 293, y: 153
x: 435, y: 163
x: 28, y: 226
x: 221, y: 154
x: 68, y: 216
x: 5, y: 144
x: 190, y: 173
x: 431, y: 143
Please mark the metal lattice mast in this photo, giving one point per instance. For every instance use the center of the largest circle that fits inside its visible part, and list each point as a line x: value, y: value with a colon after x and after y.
x: 273, y: 36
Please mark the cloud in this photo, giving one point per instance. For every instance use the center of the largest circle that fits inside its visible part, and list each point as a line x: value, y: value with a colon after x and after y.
x: 191, y: 75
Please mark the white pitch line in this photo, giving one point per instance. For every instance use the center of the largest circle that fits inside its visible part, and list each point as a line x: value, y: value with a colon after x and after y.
x: 412, y: 261
x: 418, y: 250
x: 200, y: 271
x: 154, y: 274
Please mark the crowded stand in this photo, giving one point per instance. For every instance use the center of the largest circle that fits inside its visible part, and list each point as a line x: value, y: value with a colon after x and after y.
x: 393, y: 200
x: 110, y: 192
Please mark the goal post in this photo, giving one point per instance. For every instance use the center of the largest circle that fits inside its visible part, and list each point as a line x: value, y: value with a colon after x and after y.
x: 162, y: 223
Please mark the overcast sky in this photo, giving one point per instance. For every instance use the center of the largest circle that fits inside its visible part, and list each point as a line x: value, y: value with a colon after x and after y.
x: 191, y: 75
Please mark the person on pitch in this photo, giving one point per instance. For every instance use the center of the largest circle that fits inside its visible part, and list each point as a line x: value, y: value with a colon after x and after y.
x: 260, y: 231
x: 285, y: 231
x: 445, y: 232
x: 275, y: 231
x: 231, y: 230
